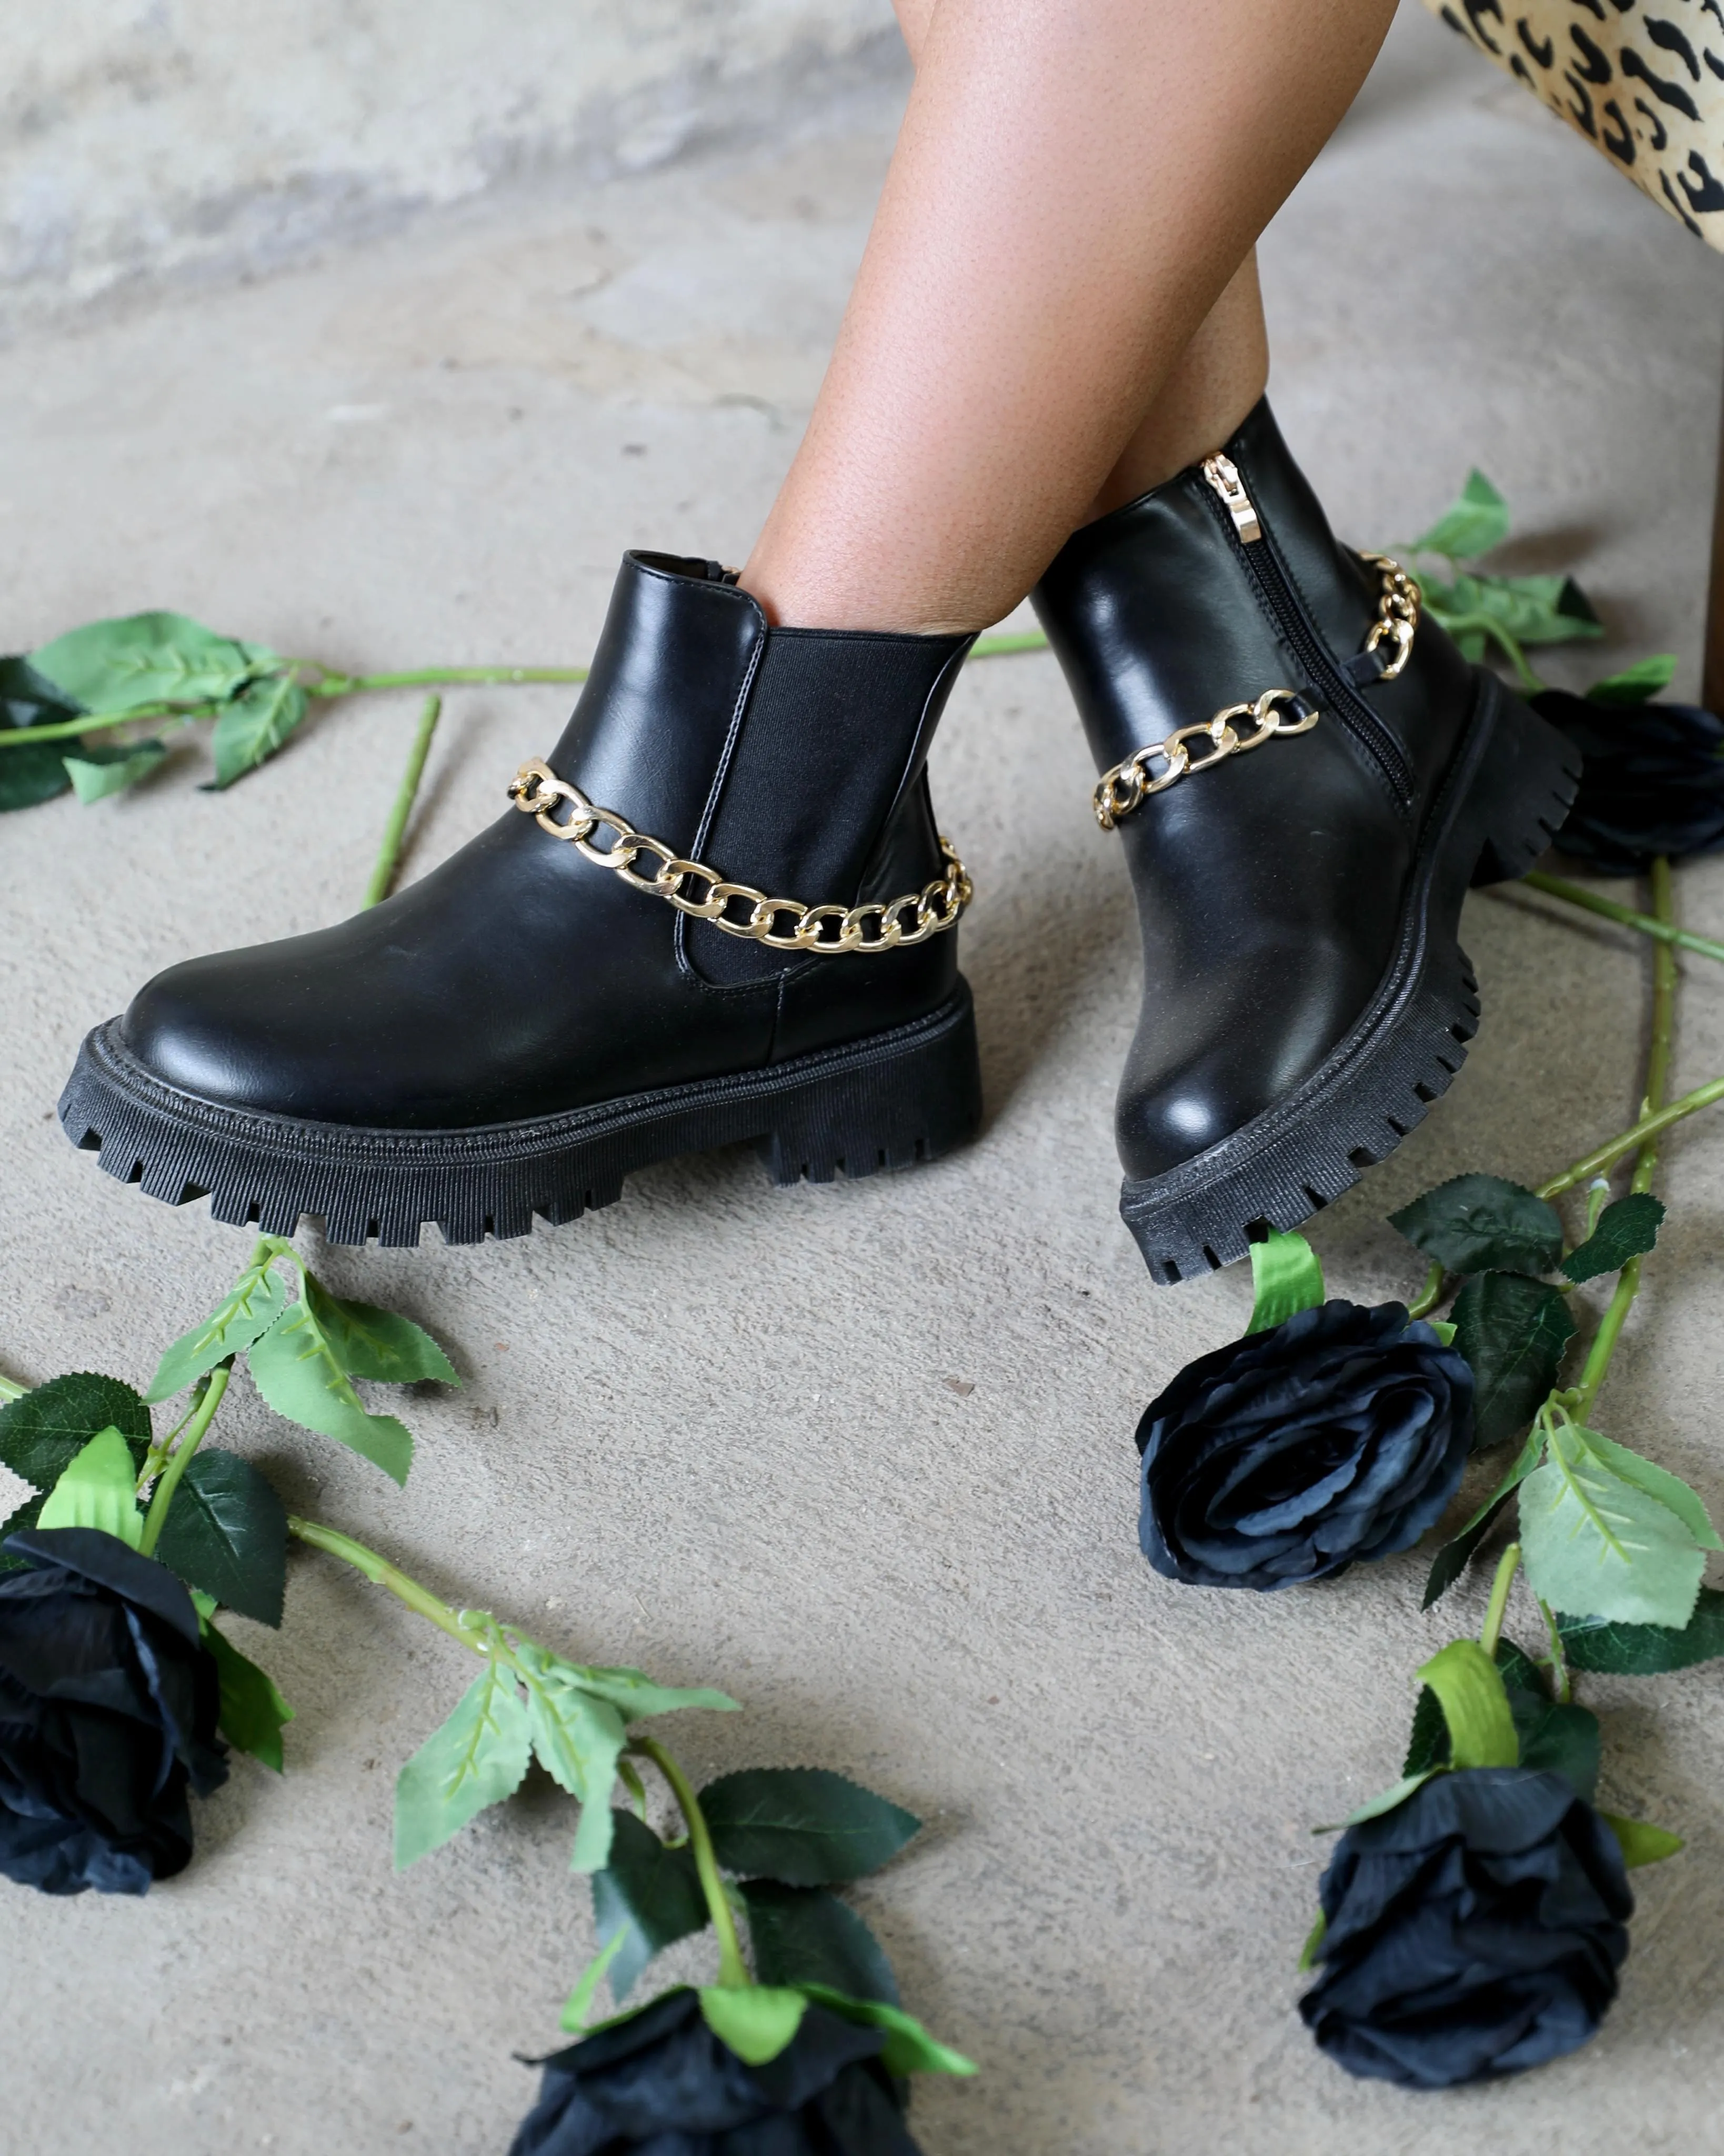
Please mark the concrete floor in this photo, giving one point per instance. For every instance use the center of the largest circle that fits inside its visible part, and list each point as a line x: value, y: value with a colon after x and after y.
x: 861, y: 1454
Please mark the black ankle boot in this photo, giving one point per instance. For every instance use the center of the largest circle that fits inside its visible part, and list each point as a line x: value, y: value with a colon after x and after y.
x: 1305, y: 996
x: 560, y: 1003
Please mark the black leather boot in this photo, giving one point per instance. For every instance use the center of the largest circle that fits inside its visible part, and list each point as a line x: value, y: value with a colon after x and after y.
x: 1305, y: 997
x: 560, y: 1003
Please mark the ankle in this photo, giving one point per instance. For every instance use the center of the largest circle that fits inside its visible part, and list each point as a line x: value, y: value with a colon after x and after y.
x: 1179, y: 433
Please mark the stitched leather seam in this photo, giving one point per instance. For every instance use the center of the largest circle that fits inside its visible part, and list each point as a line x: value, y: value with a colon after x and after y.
x: 728, y: 991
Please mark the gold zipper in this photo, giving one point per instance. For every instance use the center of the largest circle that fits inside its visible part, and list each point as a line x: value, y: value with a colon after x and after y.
x: 1222, y: 474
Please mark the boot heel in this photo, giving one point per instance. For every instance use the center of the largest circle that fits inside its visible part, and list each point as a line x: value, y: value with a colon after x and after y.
x: 1523, y: 791
x: 913, y: 1103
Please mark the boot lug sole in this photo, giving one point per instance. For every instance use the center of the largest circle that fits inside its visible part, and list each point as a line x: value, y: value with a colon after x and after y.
x: 893, y: 1098
x: 1506, y: 795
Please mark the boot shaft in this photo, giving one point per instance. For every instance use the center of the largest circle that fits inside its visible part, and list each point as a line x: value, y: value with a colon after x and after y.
x: 1226, y: 582
x: 788, y: 759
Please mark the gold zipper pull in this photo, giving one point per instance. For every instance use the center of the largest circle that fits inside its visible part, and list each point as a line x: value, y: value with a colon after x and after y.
x: 1222, y: 474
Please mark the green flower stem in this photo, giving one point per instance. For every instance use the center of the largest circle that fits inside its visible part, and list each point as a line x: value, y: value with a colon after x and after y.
x: 1498, y: 1608
x: 732, y: 1969
x: 10, y: 1389
x: 382, y: 1573
x: 389, y: 852
x: 435, y: 677
x: 1649, y: 1127
x: 156, y: 1457
x: 1559, y: 1659
x: 484, y: 1636
x: 100, y: 721
x: 1009, y: 640
x: 1460, y: 624
x: 1575, y: 894
x: 1430, y: 1295
x: 214, y: 1386
x: 1658, y: 1076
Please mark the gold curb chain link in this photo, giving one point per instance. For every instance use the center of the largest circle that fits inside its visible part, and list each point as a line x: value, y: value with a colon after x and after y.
x: 1276, y: 711
x: 536, y: 790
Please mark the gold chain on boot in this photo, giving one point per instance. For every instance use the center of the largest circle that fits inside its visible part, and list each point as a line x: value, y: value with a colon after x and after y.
x: 537, y: 789
x: 1129, y: 784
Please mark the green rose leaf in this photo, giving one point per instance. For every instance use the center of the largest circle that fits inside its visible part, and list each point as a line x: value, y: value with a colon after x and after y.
x: 253, y: 1713
x: 1287, y: 1278
x: 146, y: 658
x: 578, y: 1738
x: 579, y: 2003
x: 98, y: 1489
x: 226, y: 1531
x: 44, y: 1429
x: 29, y: 699
x: 1455, y: 1557
x: 1627, y: 1229
x: 298, y: 1373
x: 476, y: 1758
x: 1637, y: 684
x: 1428, y: 1745
x: 1547, y: 609
x: 1603, y: 1649
x: 645, y: 1899
x: 908, y: 2049
x: 1657, y: 1482
x: 243, y: 1316
x: 254, y: 725
x: 1596, y: 1542
x: 27, y: 1514
x: 637, y: 1698
x: 1560, y: 1739
x: 1528, y: 1697
x: 33, y: 771
x: 1640, y: 1841
x: 106, y: 767
x: 1473, y: 1699
x: 1385, y: 1800
x: 1512, y: 1329
x: 806, y: 1935
x: 369, y: 1343
x: 756, y: 2023
x: 805, y: 1826
x: 1473, y: 524
x: 1476, y: 1223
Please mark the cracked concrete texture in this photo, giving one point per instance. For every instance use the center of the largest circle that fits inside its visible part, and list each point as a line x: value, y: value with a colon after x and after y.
x: 721, y: 1430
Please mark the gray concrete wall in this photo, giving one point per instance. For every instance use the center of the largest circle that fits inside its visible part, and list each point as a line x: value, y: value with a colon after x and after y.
x: 145, y: 138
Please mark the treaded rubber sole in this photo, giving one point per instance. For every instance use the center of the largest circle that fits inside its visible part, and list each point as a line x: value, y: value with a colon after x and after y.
x: 1503, y: 800
x: 908, y: 1095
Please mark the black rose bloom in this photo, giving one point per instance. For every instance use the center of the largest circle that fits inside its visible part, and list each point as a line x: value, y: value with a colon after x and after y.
x: 108, y: 1707
x: 662, y: 2083
x: 1475, y: 1930
x: 1284, y: 1455
x: 1652, y: 781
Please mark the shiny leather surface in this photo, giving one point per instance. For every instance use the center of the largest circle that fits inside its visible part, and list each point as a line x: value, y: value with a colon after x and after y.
x: 519, y: 980
x: 1269, y: 889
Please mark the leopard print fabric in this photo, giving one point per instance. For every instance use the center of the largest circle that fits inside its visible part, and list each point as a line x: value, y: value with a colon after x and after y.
x: 1642, y: 80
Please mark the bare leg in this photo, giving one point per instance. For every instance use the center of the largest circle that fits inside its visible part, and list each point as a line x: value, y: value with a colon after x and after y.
x: 1075, y: 186
x: 1210, y: 388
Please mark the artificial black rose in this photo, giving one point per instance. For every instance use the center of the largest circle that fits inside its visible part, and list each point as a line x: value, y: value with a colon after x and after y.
x: 108, y: 1707
x: 1474, y: 1931
x: 662, y: 2082
x: 1652, y: 781
x: 1283, y: 1456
